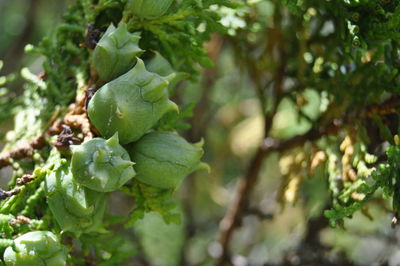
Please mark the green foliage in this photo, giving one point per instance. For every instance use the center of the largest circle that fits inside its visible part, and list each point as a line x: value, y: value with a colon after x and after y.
x: 63, y: 72
x: 173, y: 120
x: 362, y: 50
x: 152, y: 199
x: 349, y: 51
x: 110, y: 249
x: 170, y: 34
x: 5, y: 226
x: 385, y: 177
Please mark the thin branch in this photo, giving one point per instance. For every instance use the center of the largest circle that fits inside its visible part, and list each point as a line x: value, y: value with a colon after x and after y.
x: 76, y: 117
x: 246, y: 184
x: 25, y: 179
x: 6, y: 194
x: 81, y: 122
x: 20, y: 220
x: 260, y: 214
x: 23, y: 151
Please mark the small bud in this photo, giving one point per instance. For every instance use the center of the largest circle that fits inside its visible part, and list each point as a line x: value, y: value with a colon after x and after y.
x: 36, y: 248
x: 164, y: 159
x: 149, y: 8
x: 101, y: 165
x: 131, y: 104
x: 115, y: 53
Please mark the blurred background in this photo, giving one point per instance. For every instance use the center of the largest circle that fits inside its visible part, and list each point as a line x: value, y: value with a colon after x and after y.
x: 280, y: 226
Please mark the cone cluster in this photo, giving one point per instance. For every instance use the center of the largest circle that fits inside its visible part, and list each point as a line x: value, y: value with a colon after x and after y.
x: 126, y: 108
x: 131, y: 105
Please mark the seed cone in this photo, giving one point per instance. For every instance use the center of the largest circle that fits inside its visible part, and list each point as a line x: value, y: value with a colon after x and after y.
x: 36, y: 248
x: 77, y: 209
x: 164, y: 159
x: 101, y: 165
x: 115, y: 53
x: 131, y: 104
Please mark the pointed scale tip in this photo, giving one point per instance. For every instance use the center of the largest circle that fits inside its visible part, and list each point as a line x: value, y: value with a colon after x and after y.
x: 199, y: 144
x: 121, y: 29
x: 139, y: 64
x: 135, y: 37
x: 114, y: 140
x: 170, y: 78
x: 137, y: 34
x: 125, y: 164
x: 165, y: 84
x: 123, y: 25
x: 203, y: 166
x: 110, y: 29
x: 173, y: 106
x: 140, y: 51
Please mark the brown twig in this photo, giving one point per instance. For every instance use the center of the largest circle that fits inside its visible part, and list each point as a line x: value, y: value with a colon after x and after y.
x: 80, y: 122
x: 260, y: 214
x: 27, y: 150
x: 246, y: 184
x: 24, y: 179
x: 23, y: 151
x: 20, y: 220
x: 275, y: 52
x: 65, y: 139
x: 6, y: 194
x: 76, y: 118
